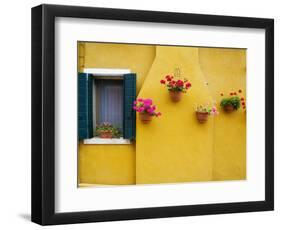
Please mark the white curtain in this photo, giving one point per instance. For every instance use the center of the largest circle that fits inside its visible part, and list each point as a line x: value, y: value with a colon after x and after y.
x: 109, y: 96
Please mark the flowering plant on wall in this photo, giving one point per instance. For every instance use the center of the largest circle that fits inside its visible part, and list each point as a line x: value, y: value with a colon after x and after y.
x: 176, y: 87
x: 233, y: 101
x: 146, y: 109
x: 203, y: 111
x: 107, y: 130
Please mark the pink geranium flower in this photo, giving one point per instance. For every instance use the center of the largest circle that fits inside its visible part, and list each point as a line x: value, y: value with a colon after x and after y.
x: 145, y: 106
x: 214, y: 111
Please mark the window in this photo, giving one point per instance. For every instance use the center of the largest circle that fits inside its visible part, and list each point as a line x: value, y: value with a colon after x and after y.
x: 109, y: 102
x: 105, y: 96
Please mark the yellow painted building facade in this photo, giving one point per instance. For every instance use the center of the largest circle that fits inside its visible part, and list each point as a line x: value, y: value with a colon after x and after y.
x: 174, y: 147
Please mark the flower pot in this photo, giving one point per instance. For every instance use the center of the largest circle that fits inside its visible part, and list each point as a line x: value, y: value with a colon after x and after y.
x: 175, y: 95
x: 106, y: 134
x: 145, y: 117
x: 202, y: 117
x: 228, y: 108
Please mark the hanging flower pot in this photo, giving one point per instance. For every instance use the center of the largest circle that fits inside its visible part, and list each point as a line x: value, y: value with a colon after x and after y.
x: 146, y: 110
x: 203, y: 112
x: 230, y: 104
x: 175, y: 95
x: 202, y: 117
x: 176, y: 87
x: 233, y: 102
x: 228, y: 108
x: 145, y: 117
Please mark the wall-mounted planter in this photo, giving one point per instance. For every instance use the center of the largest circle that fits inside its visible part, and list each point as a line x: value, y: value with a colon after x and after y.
x: 202, y: 117
x: 228, y: 108
x: 175, y: 95
x: 204, y: 111
x: 146, y: 109
x: 232, y: 103
x: 145, y: 118
x: 176, y: 87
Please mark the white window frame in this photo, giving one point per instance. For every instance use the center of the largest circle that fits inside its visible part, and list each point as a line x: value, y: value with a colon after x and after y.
x: 106, y: 72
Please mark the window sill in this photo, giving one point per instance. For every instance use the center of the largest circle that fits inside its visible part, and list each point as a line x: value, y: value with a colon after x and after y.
x: 105, y: 141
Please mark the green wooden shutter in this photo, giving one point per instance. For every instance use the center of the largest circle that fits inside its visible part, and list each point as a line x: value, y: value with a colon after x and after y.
x: 129, y: 119
x: 85, y: 106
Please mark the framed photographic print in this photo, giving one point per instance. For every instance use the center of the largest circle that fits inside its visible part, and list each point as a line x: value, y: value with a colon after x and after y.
x: 142, y: 114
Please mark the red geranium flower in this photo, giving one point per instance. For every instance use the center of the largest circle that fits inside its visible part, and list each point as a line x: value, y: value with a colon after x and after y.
x: 242, y: 98
x: 243, y: 103
x: 175, y: 84
x: 169, y: 78
x: 188, y: 85
x: 231, y: 94
x: 179, y: 83
x: 234, y: 93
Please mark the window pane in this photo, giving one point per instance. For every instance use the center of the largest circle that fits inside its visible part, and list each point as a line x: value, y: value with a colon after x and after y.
x: 109, y: 96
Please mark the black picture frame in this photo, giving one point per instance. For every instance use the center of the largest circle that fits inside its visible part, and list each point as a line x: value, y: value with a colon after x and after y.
x: 43, y: 114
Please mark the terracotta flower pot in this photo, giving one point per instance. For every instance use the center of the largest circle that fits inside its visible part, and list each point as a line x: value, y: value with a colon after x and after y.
x: 228, y: 108
x: 145, y: 118
x: 175, y: 95
x: 202, y: 117
x: 106, y: 134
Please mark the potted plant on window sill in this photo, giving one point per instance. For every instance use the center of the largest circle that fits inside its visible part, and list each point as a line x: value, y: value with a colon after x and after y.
x: 107, y: 130
x: 175, y: 87
x: 203, y: 112
x: 146, y: 110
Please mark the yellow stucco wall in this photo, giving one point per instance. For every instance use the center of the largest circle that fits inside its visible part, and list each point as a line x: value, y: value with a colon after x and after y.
x: 225, y: 71
x: 137, y: 58
x: 107, y: 164
x: 174, y: 147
